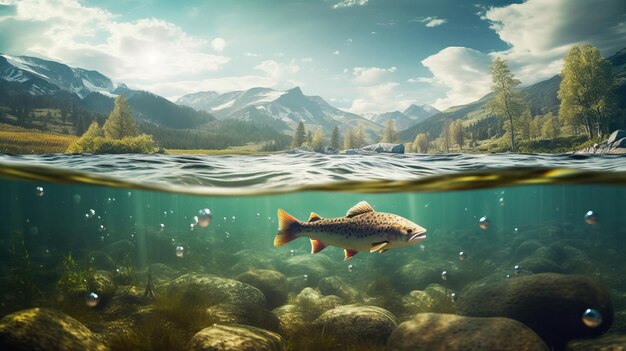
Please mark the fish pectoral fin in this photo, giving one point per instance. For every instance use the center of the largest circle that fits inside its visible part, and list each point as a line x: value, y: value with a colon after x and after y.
x: 383, y: 250
x: 348, y: 254
x: 314, y: 217
x: 360, y: 208
x: 316, y: 246
x: 378, y: 246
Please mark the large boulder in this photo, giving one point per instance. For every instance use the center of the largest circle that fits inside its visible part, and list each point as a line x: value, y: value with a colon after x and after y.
x: 292, y: 320
x: 357, y: 324
x: 448, y: 332
x: 271, y: 283
x: 235, y: 338
x: 550, y: 304
x: 615, y: 144
x: 385, y: 147
x: 313, y: 303
x: 225, y: 301
x: 39, y: 329
x: 336, y: 286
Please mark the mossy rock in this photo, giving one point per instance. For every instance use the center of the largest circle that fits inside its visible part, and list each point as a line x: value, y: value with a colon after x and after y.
x: 271, y: 283
x: 336, y: 286
x: 39, y: 329
x: 357, y: 324
x: 235, y: 338
x: 313, y: 303
x: 292, y: 320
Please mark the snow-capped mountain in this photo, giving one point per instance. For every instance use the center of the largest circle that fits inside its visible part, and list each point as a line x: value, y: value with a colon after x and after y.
x: 411, y: 116
x: 44, y: 77
x: 282, y: 110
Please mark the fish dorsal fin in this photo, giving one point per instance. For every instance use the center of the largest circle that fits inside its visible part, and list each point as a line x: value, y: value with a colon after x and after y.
x: 378, y: 246
x: 314, y: 217
x: 360, y: 208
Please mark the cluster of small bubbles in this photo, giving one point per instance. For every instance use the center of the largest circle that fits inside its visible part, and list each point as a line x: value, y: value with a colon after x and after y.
x: 292, y: 252
x: 592, y: 318
x: 517, y: 270
x: 101, y: 228
x: 591, y: 217
x: 422, y: 247
x: 39, y: 191
x: 161, y: 227
x: 306, y: 277
x: 33, y: 230
x: 92, y: 300
x: 180, y: 251
x: 454, y: 297
x: 192, y: 227
x: 227, y: 235
x: 76, y: 198
x: 350, y: 267
x: 232, y: 219
x: 444, y: 275
x: 110, y: 200
x: 502, y: 202
x: 90, y: 214
x: 204, y: 217
x: 462, y: 256
x: 484, y: 222
x: 195, y: 219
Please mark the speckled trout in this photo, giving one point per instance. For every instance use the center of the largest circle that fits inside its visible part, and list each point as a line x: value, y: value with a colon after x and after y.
x: 360, y: 230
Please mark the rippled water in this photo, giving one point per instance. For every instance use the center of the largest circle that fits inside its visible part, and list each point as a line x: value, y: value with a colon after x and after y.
x: 243, y: 174
x: 87, y: 235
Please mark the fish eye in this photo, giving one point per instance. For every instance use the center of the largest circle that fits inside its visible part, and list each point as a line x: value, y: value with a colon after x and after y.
x: 409, y: 231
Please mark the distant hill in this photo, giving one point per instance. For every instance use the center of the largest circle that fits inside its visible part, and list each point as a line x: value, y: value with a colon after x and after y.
x: 411, y: 116
x: 541, y: 97
x: 282, y: 110
x: 91, y: 90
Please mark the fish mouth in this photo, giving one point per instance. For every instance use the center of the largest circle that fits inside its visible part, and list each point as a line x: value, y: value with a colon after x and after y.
x: 417, y: 236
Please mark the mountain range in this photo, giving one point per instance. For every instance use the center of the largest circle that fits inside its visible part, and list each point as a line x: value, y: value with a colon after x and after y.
x: 411, y: 116
x: 282, y: 110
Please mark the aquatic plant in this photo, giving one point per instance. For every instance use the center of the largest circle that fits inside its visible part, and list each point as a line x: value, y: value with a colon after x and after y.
x: 21, y: 270
x: 150, y: 334
x: 72, y: 279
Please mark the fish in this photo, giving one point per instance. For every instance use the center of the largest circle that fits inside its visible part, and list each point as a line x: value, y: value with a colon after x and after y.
x: 361, y: 230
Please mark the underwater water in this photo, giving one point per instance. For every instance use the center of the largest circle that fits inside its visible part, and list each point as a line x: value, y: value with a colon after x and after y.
x: 112, y: 242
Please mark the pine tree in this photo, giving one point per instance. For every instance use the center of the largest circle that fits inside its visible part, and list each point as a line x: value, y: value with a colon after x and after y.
x: 421, y: 143
x: 507, y: 102
x: 120, y: 123
x: 309, y: 137
x: 359, y: 138
x: 444, y: 137
x: 334, y: 139
x: 585, y: 91
x: 389, y: 132
x: 298, y: 137
x: 348, y: 139
x: 457, y: 133
x: 317, y: 142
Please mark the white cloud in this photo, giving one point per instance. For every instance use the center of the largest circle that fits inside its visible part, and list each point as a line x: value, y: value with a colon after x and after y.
x: 539, y: 32
x: 218, y: 44
x: 306, y: 59
x: 251, y: 54
x: 349, y: 3
x: 371, y: 75
x: 139, y: 53
x: 379, y: 98
x: 421, y: 80
x: 432, y: 21
x: 462, y: 71
x: 336, y: 52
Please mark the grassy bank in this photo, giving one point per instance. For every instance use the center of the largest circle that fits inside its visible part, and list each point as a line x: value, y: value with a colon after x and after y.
x: 18, y: 140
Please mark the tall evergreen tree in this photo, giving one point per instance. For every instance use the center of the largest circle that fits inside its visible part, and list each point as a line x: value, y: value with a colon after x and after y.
x: 389, y: 132
x: 348, y: 139
x: 507, y: 102
x: 421, y: 143
x: 120, y: 123
x: 585, y: 91
x: 457, y: 133
x: 359, y: 137
x: 444, y: 138
x: 299, y: 136
x: 335, y: 139
x: 317, y: 142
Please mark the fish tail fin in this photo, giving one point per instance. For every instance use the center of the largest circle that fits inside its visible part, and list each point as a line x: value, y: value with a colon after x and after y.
x: 286, y: 228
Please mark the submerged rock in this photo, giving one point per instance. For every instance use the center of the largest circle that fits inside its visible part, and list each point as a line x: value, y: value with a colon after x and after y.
x: 235, y: 338
x: 335, y: 286
x: 385, y: 147
x: 314, y: 266
x: 605, y: 343
x: 292, y: 320
x: 434, y: 332
x: 237, y: 314
x: 104, y: 285
x: 271, y: 283
x: 416, y: 275
x: 45, y: 329
x: 550, y: 304
x: 313, y: 303
x: 357, y: 324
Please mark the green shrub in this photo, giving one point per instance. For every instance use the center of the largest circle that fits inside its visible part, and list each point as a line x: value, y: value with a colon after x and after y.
x: 94, y: 141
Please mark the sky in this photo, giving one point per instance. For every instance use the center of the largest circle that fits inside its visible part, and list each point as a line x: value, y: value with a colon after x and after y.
x: 364, y: 56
